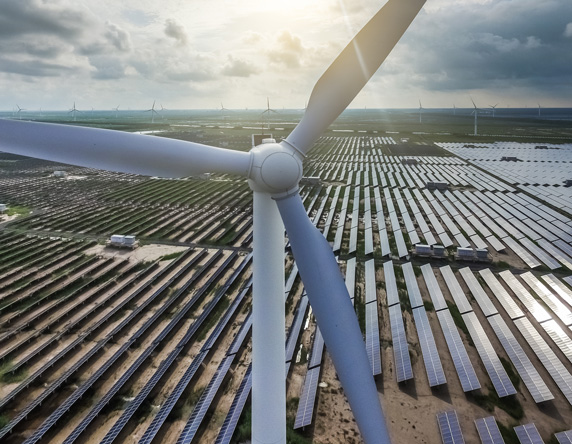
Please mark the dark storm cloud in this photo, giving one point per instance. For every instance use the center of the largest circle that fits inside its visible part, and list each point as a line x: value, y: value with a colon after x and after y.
x: 35, y: 17
x: 505, y: 42
x: 31, y: 68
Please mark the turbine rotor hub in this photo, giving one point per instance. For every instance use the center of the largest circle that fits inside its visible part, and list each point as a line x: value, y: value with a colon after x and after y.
x: 275, y: 169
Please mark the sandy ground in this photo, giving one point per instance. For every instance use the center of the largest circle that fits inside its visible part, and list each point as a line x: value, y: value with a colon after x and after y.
x: 148, y: 253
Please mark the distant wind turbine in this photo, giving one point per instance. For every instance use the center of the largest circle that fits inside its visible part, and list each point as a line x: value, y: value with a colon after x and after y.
x: 116, y: 109
x: 420, y: 111
x: 454, y: 110
x: 268, y: 111
x: 476, y: 113
x: 539, y: 109
x: 19, y: 111
x: 153, y: 112
x: 73, y: 111
x: 493, y: 108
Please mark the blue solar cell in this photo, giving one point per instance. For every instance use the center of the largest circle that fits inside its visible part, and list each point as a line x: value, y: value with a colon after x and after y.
x: 528, y: 434
x: 307, y: 399
x: 489, y: 430
x: 564, y: 437
x: 403, y: 370
x: 433, y: 366
x: 450, y: 428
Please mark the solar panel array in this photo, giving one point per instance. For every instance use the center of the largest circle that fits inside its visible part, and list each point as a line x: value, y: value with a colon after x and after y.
x: 371, y: 319
x: 560, y: 375
x: 433, y: 366
x: 461, y: 360
x: 450, y: 428
x: 557, y: 307
x: 403, y: 369
x: 411, y: 284
x: 488, y: 430
x: 433, y: 287
x: 390, y: 284
x: 559, y: 288
x: 479, y: 294
x: 531, y: 304
x: 307, y: 399
x: 455, y: 289
x: 501, y: 294
x: 526, y: 370
x: 528, y: 434
x: 493, y: 365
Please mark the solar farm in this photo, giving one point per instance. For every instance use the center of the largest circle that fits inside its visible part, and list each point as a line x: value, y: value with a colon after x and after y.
x: 458, y: 264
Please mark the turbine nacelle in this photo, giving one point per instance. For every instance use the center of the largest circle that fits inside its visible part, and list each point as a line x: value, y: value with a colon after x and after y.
x: 275, y: 168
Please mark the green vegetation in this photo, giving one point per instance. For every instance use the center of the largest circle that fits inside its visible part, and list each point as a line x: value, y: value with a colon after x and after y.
x: 511, y: 372
x: 7, y: 377
x: 168, y: 257
x: 508, y: 434
x: 509, y: 404
x: 459, y: 321
x: 428, y: 306
x: 4, y: 420
x: 18, y: 210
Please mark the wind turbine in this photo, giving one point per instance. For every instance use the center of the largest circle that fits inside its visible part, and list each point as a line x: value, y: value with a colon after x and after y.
x: 116, y: 109
x: 73, y: 111
x: 493, y: 108
x: 153, y: 112
x: 19, y: 111
x: 268, y: 111
x: 475, y: 112
x: 539, y: 109
x: 274, y: 170
x: 420, y: 111
x: 454, y: 110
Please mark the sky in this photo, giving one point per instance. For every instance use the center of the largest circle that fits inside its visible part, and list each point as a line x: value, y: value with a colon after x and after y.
x: 192, y: 54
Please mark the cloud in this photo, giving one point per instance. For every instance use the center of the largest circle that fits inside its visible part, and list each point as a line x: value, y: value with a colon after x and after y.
x: 31, y: 68
x: 288, y: 50
x: 117, y: 36
x: 568, y: 30
x: 238, y: 68
x: 175, y: 31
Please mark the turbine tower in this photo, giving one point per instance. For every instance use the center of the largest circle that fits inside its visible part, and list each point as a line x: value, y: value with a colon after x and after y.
x: 539, y: 109
x: 274, y: 170
x: 475, y: 112
x: 493, y: 107
x: 116, y: 109
x: 420, y: 111
x: 454, y: 110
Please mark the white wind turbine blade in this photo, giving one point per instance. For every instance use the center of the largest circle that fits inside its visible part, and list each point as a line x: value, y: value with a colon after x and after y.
x: 335, y: 316
x: 352, y: 69
x: 118, y: 151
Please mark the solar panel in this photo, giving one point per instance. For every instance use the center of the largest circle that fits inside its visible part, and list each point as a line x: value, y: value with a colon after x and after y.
x: 556, y: 253
x: 463, y: 365
x: 450, y: 428
x: 479, y: 294
x: 501, y: 294
x: 307, y: 399
x: 433, y: 366
x: 455, y: 289
x: 384, y: 241
x: 489, y: 430
x: 528, y: 434
x: 372, y: 337
x: 433, y: 287
x: 412, y: 287
x: 549, y: 360
x: 370, y: 291
x: 495, y: 243
x: 390, y: 284
x: 493, y: 365
x: 560, y: 338
x: 564, y: 292
x: 546, y: 258
x: 445, y: 239
x: 557, y: 307
x: 530, y: 260
x: 564, y: 437
x: 531, y: 304
x: 351, y: 276
x: 403, y: 370
x: 528, y: 373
